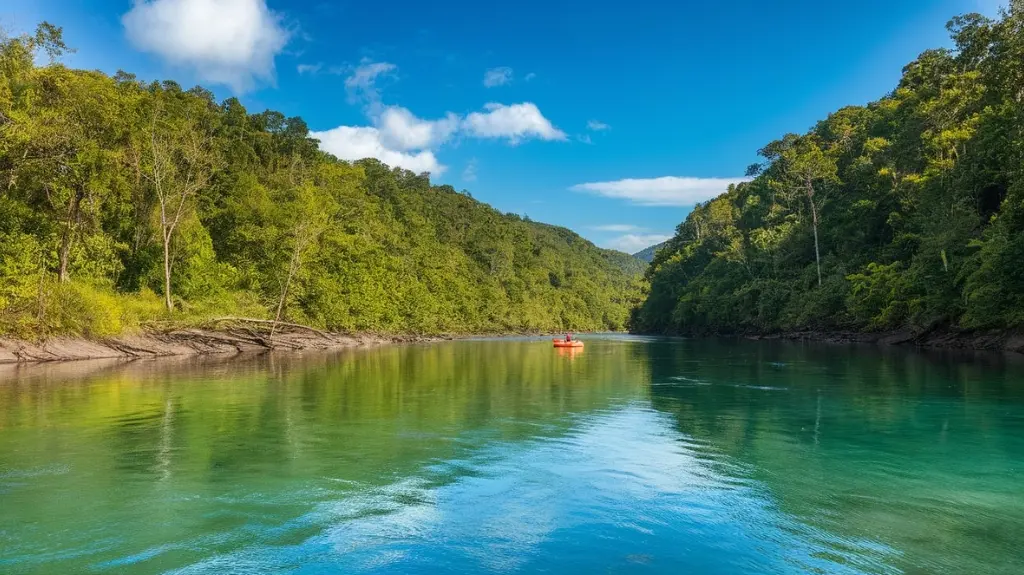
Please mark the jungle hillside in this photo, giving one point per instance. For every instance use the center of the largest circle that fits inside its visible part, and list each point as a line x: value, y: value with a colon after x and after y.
x: 126, y: 204
x: 906, y: 213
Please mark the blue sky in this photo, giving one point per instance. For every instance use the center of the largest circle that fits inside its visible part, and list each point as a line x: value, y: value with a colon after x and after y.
x: 608, y: 118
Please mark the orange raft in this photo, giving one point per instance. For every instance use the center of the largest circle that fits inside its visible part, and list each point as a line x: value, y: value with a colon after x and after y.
x: 563, y: 343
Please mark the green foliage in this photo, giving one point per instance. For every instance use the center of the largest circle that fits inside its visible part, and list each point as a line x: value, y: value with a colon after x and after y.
x: 118, y: 194
x: 19, y: 271
x: 913, y: 205
x: 878, y: 296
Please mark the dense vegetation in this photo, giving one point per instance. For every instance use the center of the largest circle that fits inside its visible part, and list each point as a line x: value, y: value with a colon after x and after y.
x: 123, y: 202
x: 907, y: 212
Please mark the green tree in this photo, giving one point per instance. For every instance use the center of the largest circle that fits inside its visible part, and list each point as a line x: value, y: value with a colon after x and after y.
x: 178, y: 161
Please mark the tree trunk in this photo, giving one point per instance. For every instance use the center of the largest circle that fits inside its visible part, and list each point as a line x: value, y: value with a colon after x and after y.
x: 68, y: 237
x: 817, y: 251
x: 293, y: 266
x: 167, y: 273
x: 814, y: 220
x: 284, y: 296
x: 41, y: 302
x: 65, y: 249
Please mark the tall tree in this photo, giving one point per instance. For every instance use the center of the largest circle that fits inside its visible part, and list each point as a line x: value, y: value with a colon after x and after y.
x: 180, y: 161
x: 811, y: 170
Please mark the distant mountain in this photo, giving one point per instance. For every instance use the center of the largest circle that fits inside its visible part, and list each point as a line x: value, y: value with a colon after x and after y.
x: 630, y: 265
x: 647, y: 255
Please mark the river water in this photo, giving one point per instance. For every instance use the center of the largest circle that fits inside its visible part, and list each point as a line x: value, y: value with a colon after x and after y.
x: 505, y: 456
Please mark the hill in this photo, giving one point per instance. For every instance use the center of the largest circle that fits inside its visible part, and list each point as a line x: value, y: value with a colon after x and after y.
x: 647, y: 254
x: 906, y: 213
x: 127, y: 202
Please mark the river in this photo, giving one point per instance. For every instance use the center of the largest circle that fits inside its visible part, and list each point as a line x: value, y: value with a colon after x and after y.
x: 637, y: 455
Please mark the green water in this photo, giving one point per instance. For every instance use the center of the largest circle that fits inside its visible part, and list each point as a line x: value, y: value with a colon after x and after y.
x: 636, y: 455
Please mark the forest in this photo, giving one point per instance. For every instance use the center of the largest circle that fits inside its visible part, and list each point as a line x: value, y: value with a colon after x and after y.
x: 905, y: 213
x: 127, y: 205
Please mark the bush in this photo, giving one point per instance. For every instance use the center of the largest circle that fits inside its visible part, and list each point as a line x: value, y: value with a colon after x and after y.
x: 878, y: 296
x: 81, y: 309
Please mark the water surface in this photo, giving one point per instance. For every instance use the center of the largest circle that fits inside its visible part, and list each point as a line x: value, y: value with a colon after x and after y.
x: 637, y: 455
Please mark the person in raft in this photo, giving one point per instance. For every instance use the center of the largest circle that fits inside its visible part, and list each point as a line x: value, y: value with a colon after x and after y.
x: 568, y: 337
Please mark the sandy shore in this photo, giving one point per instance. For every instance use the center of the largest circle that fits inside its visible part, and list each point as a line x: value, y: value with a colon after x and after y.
x: 181, y: 342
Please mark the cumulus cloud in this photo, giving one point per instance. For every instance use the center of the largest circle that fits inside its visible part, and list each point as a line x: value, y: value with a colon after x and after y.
x: 666, y: 191
x: 632, y: 243
x: 400, y: 138
x: 619, y: 228
x: 230, y: 42
x: 309, y: 68
x: 498, y: 77
x: 597, y: 126
x: 397, y: 138
x: 357, y: 142
x: 515, y: 122
x: 401, y: 130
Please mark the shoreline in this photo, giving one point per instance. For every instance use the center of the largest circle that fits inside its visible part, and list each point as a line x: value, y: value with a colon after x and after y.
x: 197, y: 341
x: 186, y: 342
x: 225, y: 336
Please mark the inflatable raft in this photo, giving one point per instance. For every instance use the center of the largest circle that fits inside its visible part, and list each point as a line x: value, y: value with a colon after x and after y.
x: 563, y: 343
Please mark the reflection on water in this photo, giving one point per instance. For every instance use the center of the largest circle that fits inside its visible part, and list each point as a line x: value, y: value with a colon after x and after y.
x: 639, y: 455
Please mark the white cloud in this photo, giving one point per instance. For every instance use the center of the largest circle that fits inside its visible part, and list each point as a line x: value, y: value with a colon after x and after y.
x: 597, y: 126
x: 361, y: 84
x: 529, y: 77
x: 365, y: 75
x: 515, y: 122
x: 400, y: 138
x: 309, y: 68
x: 632, y: 243
x: 498, y: 77
x: 357, y: 142
x: 230, y: 42
x: 620, y: 228
x: 401, y: 130
x: 469, y: 174
x: 666, y: 191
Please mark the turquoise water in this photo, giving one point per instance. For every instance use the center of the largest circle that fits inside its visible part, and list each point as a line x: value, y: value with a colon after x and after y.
x: 505, y: 456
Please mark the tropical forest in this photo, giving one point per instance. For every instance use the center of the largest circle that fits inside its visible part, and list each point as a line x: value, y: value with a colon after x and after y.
x: 124, y: 204
x: 128, y: 205
x: 906, y: 213
x: 354, y: 287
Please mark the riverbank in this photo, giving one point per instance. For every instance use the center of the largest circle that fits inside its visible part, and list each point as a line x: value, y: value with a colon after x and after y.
x: 220, y: 336
x: 249, y: 336
x: 239, y: 337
